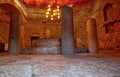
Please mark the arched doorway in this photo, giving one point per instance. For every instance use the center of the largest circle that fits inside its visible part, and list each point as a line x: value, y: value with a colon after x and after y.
x: 5, y: 19
x: 109, y: 28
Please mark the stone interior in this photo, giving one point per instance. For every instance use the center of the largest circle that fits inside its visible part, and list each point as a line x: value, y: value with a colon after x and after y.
x: 39, y: 37
x: 33, y: 23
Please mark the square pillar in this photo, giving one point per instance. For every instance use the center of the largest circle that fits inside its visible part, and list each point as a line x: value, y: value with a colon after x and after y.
x: 67, y: 31
x: 14, y: 34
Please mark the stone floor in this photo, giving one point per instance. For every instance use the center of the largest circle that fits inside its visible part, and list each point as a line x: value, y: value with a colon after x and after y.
x: 102, y: 64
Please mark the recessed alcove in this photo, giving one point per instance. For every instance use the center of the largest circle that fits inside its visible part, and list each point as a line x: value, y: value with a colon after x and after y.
x: 41, y: 41
x: 34, y: 41
x: 108, y: 15
x: 2, y: 47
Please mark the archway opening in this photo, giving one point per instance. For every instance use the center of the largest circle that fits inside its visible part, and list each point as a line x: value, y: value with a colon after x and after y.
x: 5, y: 13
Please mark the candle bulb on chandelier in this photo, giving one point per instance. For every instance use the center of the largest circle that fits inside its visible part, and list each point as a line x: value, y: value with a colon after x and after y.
x: 53, y: 12
x: 46, y: 16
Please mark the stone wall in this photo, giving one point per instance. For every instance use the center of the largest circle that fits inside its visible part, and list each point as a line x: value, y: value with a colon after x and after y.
x: 107, y: 40
x: 4, y: 32
x: 44, y: 29
x: 4, y: 28
x: 41, y: 29
x: 81, y: 14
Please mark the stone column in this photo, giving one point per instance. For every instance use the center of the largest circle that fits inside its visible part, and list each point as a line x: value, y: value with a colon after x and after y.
x: 14, y: 36
x: 67, y: 31
x: 92, y: 35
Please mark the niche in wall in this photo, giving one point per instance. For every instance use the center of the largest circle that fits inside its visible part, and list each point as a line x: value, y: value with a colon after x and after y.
x: 34, y: 41
x: 108, y: 15
x: 109, y: 27
x: 2, y: 46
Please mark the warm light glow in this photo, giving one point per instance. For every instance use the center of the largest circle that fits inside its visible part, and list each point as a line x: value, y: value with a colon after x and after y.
x: 47, y: 13
x: 58, y: 2
x: 49, y: 6
x: 46, y: 16
x: 51, y: 18
x: 19, y: 5
x: 53, y: 12
x: 58, y: 14
x: 53, y: 6
x: 58, y: 7
x: 58, y: 17
x: 48, y: 9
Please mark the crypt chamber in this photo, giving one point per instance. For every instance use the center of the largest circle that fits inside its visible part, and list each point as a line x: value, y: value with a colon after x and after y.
x: 87, y: 26
x: 59, y: 38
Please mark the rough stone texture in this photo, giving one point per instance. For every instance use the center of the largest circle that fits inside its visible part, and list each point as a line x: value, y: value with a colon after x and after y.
x: 49, y: 42
x: 15, y: 66
x: 81, y: 50
x: 46, y: 50
x: 36, y: 25
x: 26, y: 51
x: 15, y: 71
x: 81, y: 65
x: 47, y: 46
x: 117, y: 48
x: 108, y: 40
x: 39, y: 29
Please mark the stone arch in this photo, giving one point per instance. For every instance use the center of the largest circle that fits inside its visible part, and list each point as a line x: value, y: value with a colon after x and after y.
x: 5, y: 11
x: 12, y: 3
x: 108, y: 12
x: 8, y: 8
x: 109, y: 28
x: 10, y: 18
x: 15, y: 5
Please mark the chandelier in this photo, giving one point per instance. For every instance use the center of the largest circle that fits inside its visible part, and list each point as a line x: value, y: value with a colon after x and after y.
x: 53, y: 12
x: 53, y: 6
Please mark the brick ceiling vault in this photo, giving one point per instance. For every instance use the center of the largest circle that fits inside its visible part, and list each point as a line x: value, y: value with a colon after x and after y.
x: 52, y: 2
x: 17, y: 5
x: 33, y: 11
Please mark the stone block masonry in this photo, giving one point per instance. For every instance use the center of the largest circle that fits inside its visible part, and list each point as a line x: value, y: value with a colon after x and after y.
x: 47, y: 46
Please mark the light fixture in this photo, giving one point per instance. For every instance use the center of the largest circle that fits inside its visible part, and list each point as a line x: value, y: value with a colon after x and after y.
x: 53, y: 12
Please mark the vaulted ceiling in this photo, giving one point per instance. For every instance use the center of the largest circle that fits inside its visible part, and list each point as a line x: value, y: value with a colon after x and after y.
x: 37, y: 8
x: 51, y: 2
